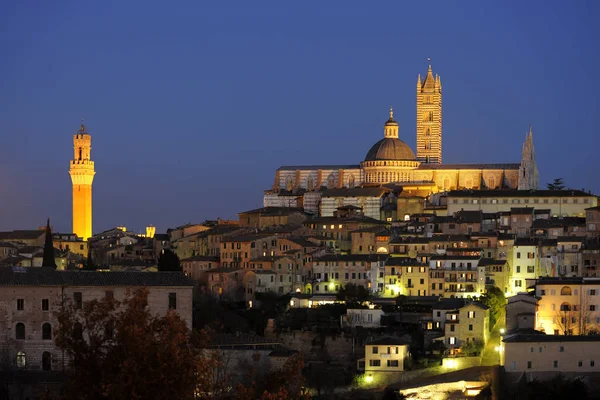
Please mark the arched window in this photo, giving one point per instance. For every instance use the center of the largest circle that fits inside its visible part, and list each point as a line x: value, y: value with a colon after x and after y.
x: 77, y: 331
x: 46, y: 361
x: 309, y: 184
x: 565, y: 307
x: 565, y: 291
x: 21, y: 360
x: 351, y: 181
x: 289, y: 183
x: 47, y: 331
x: 331, y: 181
x: 20, y: 331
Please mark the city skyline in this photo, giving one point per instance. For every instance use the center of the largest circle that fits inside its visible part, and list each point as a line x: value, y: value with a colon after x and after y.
x: 195, y: 140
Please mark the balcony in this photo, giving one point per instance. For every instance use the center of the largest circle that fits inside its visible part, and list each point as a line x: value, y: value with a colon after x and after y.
x: 467, y: 289
x: 410, y: 286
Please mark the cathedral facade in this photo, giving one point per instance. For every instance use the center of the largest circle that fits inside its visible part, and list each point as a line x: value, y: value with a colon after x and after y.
x: 390, y: 160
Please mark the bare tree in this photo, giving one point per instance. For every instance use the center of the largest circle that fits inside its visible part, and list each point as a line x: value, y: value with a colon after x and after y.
x: 566, y: 319
x: 585, y: 323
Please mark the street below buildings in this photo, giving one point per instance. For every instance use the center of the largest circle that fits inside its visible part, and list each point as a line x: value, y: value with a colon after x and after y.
x: 490, y: 355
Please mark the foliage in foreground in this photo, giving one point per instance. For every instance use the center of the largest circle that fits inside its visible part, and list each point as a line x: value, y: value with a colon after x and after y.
x: 118, y: 350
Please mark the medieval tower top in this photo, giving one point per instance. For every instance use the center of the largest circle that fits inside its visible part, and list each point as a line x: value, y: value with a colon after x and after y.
x: 429, y: 118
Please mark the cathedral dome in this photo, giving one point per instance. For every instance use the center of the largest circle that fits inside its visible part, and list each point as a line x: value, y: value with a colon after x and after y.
x: 390, y: 149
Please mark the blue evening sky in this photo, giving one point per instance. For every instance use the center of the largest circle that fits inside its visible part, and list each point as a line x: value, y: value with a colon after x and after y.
x: 193, y: 105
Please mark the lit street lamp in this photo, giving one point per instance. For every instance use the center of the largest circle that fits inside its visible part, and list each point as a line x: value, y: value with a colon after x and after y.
x: 500, y: 349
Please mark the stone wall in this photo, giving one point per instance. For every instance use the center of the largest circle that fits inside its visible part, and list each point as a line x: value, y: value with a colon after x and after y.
x: 316, y: 347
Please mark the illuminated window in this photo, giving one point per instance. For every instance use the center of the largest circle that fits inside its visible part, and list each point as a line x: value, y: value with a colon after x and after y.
x: 21, y: 360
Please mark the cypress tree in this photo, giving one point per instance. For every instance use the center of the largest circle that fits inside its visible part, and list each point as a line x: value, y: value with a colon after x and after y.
x: 48, y: 260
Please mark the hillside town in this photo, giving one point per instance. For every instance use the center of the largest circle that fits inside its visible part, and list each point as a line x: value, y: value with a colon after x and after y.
x: 390, y: 277
x: 471, y: 282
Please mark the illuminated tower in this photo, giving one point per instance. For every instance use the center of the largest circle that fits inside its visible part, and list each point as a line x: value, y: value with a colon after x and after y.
x: 429, y: 118
x: 82, y: 175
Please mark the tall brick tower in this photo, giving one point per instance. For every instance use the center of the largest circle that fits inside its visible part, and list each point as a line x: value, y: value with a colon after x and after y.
x: 82, y: 175
x: 429, y: 118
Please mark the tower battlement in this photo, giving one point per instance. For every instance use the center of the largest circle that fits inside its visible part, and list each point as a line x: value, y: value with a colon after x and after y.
x: 82, y: 176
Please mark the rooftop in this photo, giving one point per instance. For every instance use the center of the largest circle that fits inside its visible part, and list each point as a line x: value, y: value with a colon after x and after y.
x: 317, y: 167
x: 21, y: 235
x: 518, y: 193
x: 267, y: 211
x: 387, y: 340
x: 455, y: 304
x: 353, y: 257
x: 469, y: 166
x: 538, y: 338
x: 356, y: 192
x: 19, y: 276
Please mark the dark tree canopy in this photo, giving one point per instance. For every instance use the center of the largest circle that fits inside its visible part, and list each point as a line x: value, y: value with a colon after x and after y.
x: 557, y: 184
x: 89, y: 262
x: 48, y: 258
x: 353, y: 294
x: 169, y: 261
x: 119, y: 350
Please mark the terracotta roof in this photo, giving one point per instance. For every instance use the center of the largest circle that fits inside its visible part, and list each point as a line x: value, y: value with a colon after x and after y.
x: 317, y: 167
x: 353, y: 257
x: 19, y: 276
x: 490, y: 261
x: 201, y: 258
x: 388, y: 340
x: 455, y: 304
x: 21, y: 235
x: 224, y: 270
x: 356, y: 192
x: 538, y: 338
x: 517, y: 193
x: 231, y: 339
x: 469, y: 166
x: 273, y: 211
x: 399, y: 261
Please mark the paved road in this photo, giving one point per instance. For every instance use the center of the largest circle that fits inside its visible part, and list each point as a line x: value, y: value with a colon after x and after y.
x: 490, y: 356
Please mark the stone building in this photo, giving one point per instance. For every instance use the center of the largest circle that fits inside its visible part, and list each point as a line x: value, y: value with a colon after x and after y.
x: 520, y: 312
x: 462, y: 321
x: 391, y: 160
x: 546, y: 356
x: 30, y: 297
x: 560, y: 203
x: 384, y: 356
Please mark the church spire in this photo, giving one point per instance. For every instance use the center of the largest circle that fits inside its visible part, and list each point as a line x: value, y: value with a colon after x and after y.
x: 528, y: 171
x: 48, y: 258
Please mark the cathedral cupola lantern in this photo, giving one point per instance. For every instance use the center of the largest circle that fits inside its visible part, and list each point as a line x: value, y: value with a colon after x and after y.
x: 390, y: 129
